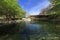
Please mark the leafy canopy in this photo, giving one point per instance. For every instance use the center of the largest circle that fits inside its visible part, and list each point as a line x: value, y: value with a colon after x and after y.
x: 56, y: 8
x: 11, y: 7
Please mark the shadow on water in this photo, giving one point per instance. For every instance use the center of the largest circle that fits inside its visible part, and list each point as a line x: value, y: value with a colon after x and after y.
x: 30, y: 31
x: 8, y: 29
x: 11, y: 31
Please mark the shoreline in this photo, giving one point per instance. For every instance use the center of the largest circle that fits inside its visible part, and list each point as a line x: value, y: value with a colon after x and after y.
x: 10, y: 21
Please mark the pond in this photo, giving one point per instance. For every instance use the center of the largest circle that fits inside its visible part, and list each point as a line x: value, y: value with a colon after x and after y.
x: 37, y: 30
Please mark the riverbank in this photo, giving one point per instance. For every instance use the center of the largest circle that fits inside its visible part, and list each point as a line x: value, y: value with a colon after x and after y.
x: 46, y: 17
x: 10, y: 21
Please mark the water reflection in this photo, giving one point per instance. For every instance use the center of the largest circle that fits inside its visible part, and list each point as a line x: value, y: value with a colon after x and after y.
x: 7, y: 30
x: 40, y: 31
x: 51, y: 28
x: 31, y: 31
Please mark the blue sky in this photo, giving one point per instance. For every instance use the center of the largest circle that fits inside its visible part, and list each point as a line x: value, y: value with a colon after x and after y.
x: 33, y: 7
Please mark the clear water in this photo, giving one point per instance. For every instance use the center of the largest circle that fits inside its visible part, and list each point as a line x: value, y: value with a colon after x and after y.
x: 31, y: 31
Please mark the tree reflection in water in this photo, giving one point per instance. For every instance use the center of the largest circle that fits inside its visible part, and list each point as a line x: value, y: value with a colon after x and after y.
x: 51, y: 30
x: 30, y: 31
x: 7, y: 30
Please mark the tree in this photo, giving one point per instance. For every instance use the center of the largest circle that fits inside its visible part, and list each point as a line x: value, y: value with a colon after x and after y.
x: 56, y: 8
x: 11, y: 8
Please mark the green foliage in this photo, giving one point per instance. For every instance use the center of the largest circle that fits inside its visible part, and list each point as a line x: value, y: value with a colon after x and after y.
x: 11, y: 7
x: 56, y: 8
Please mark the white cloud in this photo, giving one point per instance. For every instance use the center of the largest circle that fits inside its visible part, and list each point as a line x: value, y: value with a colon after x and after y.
x: 37, y: 9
